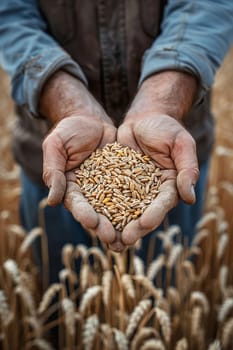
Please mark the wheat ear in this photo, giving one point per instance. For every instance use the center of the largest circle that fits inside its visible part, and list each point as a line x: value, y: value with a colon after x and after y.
x: 225, y: 309
x: 215, y: 345
x: 142, y: 335
x: 29, y: 239
x: 153, y: 344
x: 165, y: 323
x: 137, y: 315
x: 227, y: 334
x: 48, y: 296
x: 182, y: 344
x: 90, y: 329
x: 120, y: 339
x: 90, y: 294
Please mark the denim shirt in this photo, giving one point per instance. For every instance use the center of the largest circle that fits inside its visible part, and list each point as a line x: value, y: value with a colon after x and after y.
x: 195, y: 36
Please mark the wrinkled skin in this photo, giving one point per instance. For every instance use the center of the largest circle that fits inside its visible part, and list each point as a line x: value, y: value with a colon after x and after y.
x: 87, y: 127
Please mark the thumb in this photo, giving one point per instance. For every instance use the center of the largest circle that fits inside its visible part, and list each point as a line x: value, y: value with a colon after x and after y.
x: 186, y: 181
x: 54, y: 162
x: 56, y: 181
x: 185, y: 159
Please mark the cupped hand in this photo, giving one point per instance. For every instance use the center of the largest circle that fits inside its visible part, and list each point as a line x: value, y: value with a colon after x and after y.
x: 72, y: 140
x: 173, y: 150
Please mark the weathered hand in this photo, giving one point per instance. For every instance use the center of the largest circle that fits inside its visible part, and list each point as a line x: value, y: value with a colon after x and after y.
x: 82, y: 127
x: 149, y: 128
x: 173, y: 150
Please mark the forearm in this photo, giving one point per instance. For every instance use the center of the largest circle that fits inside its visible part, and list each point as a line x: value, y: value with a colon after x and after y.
x: 195, y: 36
x: 171, y: 93
x: 64, y: 95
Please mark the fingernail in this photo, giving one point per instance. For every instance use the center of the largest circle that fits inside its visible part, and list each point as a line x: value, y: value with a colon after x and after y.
x: 193, y: 191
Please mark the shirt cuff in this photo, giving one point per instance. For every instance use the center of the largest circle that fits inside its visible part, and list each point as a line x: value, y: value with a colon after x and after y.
x: 39, y: 68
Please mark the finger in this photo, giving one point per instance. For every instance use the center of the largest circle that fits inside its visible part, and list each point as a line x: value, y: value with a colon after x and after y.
x: 82, y: 211
x: 104, y: 230
x: 125, y: 136
x: 109, y: 135
x: 185, y: 159
x: 57, y: 187
x: 117, y: 246
x: 98, y: 225
x: 153, y: 215
x: 186, y: 181
x: 54, y: 162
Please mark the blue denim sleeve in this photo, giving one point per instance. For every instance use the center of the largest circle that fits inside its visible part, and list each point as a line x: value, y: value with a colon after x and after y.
x: 195, y: 36
x: 28, y: 53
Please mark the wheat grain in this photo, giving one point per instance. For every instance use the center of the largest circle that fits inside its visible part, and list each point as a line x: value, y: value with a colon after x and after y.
x: 138, y: 313
x: 121, y: 176
x: 90, y: 329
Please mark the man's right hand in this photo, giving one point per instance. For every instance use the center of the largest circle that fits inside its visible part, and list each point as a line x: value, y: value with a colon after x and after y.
x: 80, y: 126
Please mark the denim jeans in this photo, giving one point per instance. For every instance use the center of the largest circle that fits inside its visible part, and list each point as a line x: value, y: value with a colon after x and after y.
x: 61, y: 228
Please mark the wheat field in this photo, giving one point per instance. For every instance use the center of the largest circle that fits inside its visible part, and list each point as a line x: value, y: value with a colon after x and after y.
x: 112, y: 304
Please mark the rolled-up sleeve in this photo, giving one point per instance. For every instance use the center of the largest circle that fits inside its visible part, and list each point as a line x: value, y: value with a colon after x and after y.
x: 195, y: 36
x: 28, y: 53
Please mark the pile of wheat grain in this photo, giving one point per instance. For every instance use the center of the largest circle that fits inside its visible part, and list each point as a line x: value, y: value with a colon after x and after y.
x: 119, y: 182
